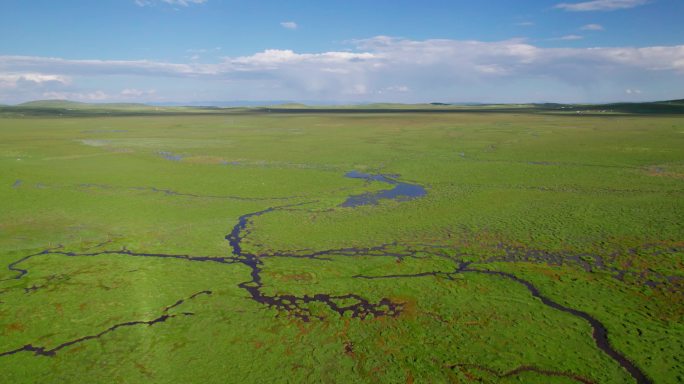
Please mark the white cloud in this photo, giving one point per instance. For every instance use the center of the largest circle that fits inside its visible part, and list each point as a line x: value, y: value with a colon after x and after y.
x: 341, y: 71
x: 525, y: 24
x: 183, y: 3
x: 14, y: 80
x: 633, y: 91
x: 379, y: 64
x: 490, y: 69
x: 601, y: 5
x: 99, y: 67
x: 289, y: 25
x: 569, y: 38
x: 274, y: 57
x: 136, y: 93
x: 99, y: 95
x: 592, y: 27
x: 358, y: 89
x: 373, y: 55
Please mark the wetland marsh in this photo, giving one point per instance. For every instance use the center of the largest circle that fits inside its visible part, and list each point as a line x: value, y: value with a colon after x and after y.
x: 355, y: 246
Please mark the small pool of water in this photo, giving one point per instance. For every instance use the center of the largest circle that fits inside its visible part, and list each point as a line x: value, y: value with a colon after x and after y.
x: 170, y: 156
x: 400, y: 191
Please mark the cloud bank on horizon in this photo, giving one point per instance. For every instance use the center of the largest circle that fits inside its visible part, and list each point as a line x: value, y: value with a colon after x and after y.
x: 380, y: 68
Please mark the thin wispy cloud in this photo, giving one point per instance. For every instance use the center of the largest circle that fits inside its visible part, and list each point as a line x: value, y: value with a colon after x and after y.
x: 203, y: 50
x: 95, y: 67
x: 182, y: 3
x: 592, y: 27
x: 525, y: 24
x: 600, y: 5
x: 289, y: 25
x: 567, y: 38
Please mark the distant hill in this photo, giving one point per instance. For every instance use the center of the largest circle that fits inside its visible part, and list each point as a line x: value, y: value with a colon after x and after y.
x: 290, y: 105
x: 67, y: 104
x: 52, y: 104
x: 657, y: 107
x: 73, y: 108
x: 222, y: 104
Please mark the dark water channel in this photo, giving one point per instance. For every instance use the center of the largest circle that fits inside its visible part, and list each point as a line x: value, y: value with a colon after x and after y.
x: 350, y: 304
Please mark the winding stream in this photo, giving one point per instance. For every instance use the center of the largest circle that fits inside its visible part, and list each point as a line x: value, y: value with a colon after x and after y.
x: 599, y: 334
x: 525, y: 368
x: 356, y: 305
x: 297, y: 306
x: 44, y: 351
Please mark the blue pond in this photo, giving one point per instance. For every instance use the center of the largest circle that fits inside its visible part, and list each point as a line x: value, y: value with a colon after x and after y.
x: 170, y: 156
x: 400, y: 191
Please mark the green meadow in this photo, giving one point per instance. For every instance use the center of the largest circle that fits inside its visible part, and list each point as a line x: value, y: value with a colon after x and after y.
x: 179, y: 245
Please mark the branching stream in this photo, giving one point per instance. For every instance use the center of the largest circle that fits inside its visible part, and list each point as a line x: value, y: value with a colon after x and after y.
x: 360, y: 307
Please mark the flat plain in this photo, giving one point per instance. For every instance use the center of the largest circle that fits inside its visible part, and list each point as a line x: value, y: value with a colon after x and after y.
x: 216, y: 246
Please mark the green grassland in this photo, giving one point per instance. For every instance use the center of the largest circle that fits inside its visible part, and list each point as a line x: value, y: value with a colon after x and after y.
x: 115, y: 266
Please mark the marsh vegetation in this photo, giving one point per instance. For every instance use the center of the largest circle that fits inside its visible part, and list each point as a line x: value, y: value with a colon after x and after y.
x: 491, y: 245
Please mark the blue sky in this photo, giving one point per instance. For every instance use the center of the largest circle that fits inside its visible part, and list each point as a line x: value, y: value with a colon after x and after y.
x: 341, y: 51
